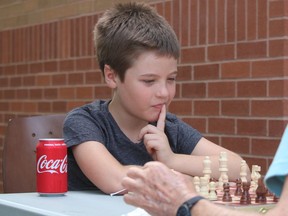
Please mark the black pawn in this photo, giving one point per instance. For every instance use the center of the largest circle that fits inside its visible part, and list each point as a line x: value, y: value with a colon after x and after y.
x: 238, y: 191
x: 245, y: 198
x: 226, y: 196
x: 261, y: 192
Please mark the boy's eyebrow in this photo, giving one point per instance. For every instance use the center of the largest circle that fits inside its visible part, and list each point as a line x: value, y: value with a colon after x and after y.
x: 154, y: 75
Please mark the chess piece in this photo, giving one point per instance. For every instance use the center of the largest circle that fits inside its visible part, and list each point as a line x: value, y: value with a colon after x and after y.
x: 243, y: 171
x: 261, y: 192
x: 226, y: 195
x: 238, y: 191
x: 223, y: 169
x: 245, y: 198
x: 204, y: 190
x: 255, y: 176
x: 207, y: 167
x: 196, y: 181
x: 212, y: 192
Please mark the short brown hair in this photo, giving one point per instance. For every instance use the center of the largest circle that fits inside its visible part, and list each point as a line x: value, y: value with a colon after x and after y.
x: 126, y: 31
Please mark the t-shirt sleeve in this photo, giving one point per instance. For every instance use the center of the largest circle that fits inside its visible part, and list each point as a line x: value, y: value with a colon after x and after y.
x: 80, y: 126
x: 182, y: 137
x: 278, y: 170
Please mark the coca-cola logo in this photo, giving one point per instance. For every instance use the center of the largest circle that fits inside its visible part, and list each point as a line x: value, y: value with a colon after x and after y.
x: 51, y: 166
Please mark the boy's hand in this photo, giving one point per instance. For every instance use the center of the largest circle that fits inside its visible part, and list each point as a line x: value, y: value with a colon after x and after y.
x: 155, y: 139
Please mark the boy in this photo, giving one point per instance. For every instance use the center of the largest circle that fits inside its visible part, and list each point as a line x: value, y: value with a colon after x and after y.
x: 137, y: 52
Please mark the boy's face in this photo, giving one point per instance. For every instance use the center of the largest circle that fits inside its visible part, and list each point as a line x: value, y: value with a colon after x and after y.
x: 148, y: 84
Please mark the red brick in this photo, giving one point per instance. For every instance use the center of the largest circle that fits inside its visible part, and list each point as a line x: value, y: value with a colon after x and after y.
x: 268, y: 68
x: 252, y: 89
x: 36, y: 93
x: 14, y: 82
x: 67, y: 65
x: 22, y: 94
x: 221, y: 26
x: 251, y: 50
x: 206, y: 72
x: 278, y: 48
x: 51, y: 66
x: 240, y: 145
x: 192, y: 55
x: 67, y: 93
x: 176, y: 17
x: 265, y: 147
x: 262, y: 162
x: 198, y: 123
x: 43, y: 80
x: 193, y: 90
x: 9, y: 94
x: 278, y: 8
x: 59, y: 79
x: 184, y: 73
x: 30, y: 107
x: 241, y: 20
x: 194, y: 20
x: 221, y: 52
x: 262, y: 19
x: 51, y: 93
x: 184, y: 36
x: 211, y: 21
x: 29, y: 81
x: 221, y: 125
x: 277, y: 28
x: 202, y: 29
x: 251, y: 20
x: 235, y: 70
x: 84, y: 92
x: 93, y: 77
x: 44, y: 107
x: 251, y: 127
x: 231, y: 17
x: 235, y: 107
x: 277, y: 127
x: 267, y: 108
x: 22, y: 69
x: 59, y: 106
x: 206, y: 108
x: 36, y: 68
x: 75, y: 78
x: 181, y: 107
x: 221, y: 89
x: 84, y: 64
x: 277, y: 88
x: 102, y: 92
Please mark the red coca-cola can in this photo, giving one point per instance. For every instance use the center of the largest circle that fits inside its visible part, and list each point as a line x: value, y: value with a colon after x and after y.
x: 51, y: 167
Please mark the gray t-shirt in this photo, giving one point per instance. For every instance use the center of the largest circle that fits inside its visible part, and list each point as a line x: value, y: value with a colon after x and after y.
x: 94, y: 122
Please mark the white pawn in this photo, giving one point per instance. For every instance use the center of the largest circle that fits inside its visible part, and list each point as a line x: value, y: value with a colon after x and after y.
x: 204, y: 188
x: 196, y: 181
x: 212, y: 193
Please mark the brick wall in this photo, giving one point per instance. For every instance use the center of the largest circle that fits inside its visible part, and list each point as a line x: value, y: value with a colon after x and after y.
x: 232, y: 83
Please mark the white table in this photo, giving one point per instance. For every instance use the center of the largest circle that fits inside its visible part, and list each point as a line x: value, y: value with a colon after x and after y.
x: 72, y: 203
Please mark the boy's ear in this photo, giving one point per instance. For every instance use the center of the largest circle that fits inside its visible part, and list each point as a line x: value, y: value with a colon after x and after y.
x: 110, y: 76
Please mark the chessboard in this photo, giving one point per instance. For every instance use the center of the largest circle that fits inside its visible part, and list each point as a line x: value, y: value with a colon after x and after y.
x: 235, y: 202
x: 241, y: 194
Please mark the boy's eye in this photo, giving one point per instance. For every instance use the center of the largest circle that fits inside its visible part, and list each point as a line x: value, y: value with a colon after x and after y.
x: 148, y: 81
x: 172, y: 78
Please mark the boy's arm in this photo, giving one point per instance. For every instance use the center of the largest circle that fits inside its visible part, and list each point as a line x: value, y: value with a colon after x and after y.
x: 99, y: 166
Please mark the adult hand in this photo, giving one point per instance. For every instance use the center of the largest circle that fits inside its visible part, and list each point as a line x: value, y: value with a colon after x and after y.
x: 155, y: 139
x: 157, y: 189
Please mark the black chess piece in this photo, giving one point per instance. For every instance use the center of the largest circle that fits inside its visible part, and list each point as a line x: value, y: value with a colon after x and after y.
x: 261, y: 192
x: 226, y: 196
x: 238, y: 191
x: 245, y: 198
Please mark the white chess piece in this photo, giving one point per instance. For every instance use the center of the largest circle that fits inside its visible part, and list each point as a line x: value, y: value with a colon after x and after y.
x: 212, y: 193
x: 204, y: 188
x: 223, y: 169
x: 207, y: 167
x: 196, y: 181
x: 243, y: 171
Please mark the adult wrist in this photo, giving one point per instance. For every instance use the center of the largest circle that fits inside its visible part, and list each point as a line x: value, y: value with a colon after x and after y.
x: 185, y: 208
